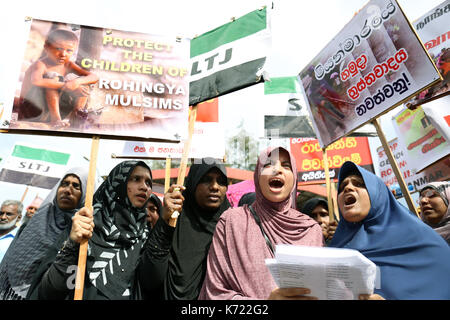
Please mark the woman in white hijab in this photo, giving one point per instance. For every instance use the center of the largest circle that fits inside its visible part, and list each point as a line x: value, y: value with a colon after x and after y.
x: 34, y: 240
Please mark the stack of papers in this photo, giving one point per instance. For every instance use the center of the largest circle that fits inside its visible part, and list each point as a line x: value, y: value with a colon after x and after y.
x: 330, y: 273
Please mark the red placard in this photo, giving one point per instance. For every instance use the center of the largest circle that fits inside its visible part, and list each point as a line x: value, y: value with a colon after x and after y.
x: 309, y: 157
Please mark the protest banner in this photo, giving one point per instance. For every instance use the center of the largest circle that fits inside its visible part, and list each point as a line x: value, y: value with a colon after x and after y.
x: 438, y: 112
x: 310, y: 162
x: 34, y: 166
x: 109, y: 82
x: 207, y: 140
x: 424, y: 143
x: 375, y: 63
x: 433, y: 29
x: 439, y: 171
x: 230, y: 57
x: 284, y: 113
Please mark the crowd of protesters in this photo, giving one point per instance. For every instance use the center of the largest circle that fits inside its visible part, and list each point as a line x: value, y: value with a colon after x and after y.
x: 216, y: 251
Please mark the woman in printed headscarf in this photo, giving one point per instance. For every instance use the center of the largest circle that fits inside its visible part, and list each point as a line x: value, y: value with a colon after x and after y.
x: 36, y: 238
x: 243, y: 240
x: 412, y: 258
x: 435, y: 209
x: 116, y: 230
x: 177, y: 255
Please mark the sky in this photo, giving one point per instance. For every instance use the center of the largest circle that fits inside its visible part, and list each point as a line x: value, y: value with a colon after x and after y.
x: 300, y: 29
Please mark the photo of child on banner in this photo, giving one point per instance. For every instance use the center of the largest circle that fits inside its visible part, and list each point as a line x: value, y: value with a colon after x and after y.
x: 372, y: 65
x: 100, y: 81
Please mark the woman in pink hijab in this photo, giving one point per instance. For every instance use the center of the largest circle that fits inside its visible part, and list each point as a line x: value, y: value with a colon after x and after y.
x: 236, y: 267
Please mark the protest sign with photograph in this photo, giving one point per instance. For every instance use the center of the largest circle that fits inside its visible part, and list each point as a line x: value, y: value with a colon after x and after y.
x: 424, y: 143
x: 433, y: 29
x: 90, y: 80
x: 375, y: 63
x: 309, y: 157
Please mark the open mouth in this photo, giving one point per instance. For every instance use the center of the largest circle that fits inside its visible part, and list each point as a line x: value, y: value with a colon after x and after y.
x: 276, y: 183
x: 349, y: 200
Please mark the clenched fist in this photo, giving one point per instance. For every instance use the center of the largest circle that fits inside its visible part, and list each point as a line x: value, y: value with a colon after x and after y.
x: 82, y: 225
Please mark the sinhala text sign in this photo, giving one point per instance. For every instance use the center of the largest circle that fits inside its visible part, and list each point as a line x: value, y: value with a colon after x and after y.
x: 309, y: 157
x: 372, y: 65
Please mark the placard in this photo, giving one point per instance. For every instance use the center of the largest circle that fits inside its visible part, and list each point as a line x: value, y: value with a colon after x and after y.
x: 375, y: 63
x: 100, y: 81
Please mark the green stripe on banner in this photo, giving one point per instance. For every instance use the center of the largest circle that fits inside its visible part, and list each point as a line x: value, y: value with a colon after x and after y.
x: 246, y: 25
x: 40, y: 154
x: 281, y: 85
x: 227, y: 81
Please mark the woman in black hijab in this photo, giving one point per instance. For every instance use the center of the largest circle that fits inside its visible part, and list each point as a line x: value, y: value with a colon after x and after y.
x: 177, y: 256
x: 116, y: 231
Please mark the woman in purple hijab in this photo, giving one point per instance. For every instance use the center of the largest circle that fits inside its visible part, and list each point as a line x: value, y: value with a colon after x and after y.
x: 236, y: 267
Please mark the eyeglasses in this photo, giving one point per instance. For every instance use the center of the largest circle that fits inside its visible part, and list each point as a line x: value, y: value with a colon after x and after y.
x: 8, y: 214
x: 428, y: 194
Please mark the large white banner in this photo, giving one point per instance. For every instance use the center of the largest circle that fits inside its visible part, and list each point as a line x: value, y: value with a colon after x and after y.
x: 107, y: 82
x: 207, y: 141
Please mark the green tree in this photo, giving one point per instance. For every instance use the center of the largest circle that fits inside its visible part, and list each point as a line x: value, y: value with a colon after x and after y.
x: 242, y: 149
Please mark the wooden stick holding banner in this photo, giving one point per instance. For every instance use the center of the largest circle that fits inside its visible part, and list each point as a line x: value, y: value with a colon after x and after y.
x: 79, y: 281
x: 334, y: 197
x: 327, y: 179
x: 395, y: 167
x: 24, y: 194
x: 183, y: 164
x: 167, y: 177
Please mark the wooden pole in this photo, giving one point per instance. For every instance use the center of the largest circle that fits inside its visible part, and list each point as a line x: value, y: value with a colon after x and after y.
x: 79, y: 281
x: 395, y: 168
x: 327, y: 179
x: 167, y: 178
x: 24, y: 194
x: 184, y: 159
x: 334, y: 197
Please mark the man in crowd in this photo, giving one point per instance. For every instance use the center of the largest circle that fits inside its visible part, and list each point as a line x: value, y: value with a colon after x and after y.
x: 11, y: 213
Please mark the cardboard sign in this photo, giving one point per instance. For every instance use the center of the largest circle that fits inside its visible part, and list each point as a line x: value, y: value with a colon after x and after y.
x: 100, y: 81
x: 434, y: 30
x: 309, y: 157
x: 375, y: 63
